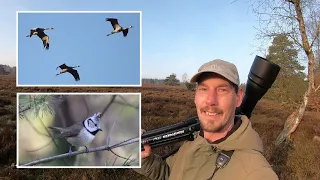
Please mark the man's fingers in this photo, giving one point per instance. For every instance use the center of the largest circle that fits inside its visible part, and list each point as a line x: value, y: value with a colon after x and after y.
x: 142, y: 131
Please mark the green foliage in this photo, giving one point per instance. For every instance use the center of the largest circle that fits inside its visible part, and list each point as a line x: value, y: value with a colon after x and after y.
x: 289, y: 86
x: 191, y: 86
x: 37, y: 104
x: 172, y: 80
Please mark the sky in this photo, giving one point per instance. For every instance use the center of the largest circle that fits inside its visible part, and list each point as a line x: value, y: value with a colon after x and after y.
x: 79, y: 39
x: 177, y: 36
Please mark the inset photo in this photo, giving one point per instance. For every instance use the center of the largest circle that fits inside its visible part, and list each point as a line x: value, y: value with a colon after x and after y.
x: 78, y: 130
x: 78, y: 48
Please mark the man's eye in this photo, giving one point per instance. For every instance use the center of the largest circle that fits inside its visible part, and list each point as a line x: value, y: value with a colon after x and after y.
x: 202, y: 89
x: 223, y: 89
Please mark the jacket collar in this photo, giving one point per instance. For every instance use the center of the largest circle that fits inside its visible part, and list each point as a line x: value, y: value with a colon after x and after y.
x: 237, y: 124
x: 241, y: 137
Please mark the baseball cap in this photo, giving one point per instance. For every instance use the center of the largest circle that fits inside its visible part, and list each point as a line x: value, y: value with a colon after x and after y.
x: 221, y: 67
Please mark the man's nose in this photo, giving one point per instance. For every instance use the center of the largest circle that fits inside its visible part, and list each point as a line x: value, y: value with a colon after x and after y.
x: 212, y: 99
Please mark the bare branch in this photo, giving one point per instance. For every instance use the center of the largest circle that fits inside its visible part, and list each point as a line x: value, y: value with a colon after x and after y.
x: 316, y: 35
x: 90, y: 150
x: 317, y: 89
x: 290, y: 1
x: 234, y: 1
x: 117, y: 154
x: 295, y: 40
x: 108, y: 105
x: 279, y: 15
x: 126, y: 102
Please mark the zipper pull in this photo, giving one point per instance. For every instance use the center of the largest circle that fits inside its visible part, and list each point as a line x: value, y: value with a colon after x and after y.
x: 214, y: 149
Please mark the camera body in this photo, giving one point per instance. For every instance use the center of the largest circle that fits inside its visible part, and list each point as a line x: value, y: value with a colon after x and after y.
x: 262, y: 75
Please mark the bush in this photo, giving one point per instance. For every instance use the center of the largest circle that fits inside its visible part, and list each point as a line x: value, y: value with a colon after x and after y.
x: 191, y: 86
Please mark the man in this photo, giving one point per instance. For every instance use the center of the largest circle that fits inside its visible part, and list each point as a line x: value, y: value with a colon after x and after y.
x: 223, y: 136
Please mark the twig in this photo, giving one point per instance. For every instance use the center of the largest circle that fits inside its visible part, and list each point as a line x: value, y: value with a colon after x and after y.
x: 117, y: 154
x: 317, y: 89
x: 316, y: 34
x: 90, y: 150
x: 110, y: 136
x: 126, y: 102
x: 234, y: 1
x: 108, y: 105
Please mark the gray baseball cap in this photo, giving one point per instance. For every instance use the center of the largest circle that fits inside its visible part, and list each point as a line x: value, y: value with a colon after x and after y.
x: 221, y: 67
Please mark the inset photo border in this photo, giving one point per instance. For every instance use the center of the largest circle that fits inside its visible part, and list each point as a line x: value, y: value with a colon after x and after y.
x: 79, y: 48
x: 78, y: 130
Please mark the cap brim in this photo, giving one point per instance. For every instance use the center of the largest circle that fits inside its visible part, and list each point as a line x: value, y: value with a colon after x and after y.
x: 195, y: 78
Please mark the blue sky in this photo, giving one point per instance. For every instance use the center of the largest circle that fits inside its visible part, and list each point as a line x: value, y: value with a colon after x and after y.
x: 79, y: 39
x: 177, y: 36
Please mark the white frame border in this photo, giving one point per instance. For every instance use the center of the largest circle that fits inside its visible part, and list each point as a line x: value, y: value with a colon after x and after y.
x: 78, y: 93
x: 75, y: 85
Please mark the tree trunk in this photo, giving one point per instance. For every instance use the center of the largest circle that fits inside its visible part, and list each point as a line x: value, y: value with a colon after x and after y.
x: 305, y: 43
x: 294, y: 119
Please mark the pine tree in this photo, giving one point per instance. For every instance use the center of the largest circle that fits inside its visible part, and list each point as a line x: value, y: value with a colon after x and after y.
x: 289, y: 85
x: 172, y: 80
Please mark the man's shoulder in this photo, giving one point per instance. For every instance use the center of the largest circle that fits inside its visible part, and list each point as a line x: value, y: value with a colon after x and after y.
x: 253, y: 163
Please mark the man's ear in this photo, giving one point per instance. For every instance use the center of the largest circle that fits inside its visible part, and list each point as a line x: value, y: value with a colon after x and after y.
x: 240, y: 96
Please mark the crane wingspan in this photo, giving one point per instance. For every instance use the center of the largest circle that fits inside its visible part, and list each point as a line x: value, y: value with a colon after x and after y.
x: 62, y: 66
x: 75, y: 74
x: 114, y: 22
x: 31, y: 32
x: 125, y: 32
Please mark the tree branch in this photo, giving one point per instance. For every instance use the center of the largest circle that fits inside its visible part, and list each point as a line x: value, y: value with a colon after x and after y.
x: 295, y: 40
x: 279, y: 15
x: 290, y: 1
x: 108, y: 105
x: 117, y: 154
x: 316, y: 35
x: 126, y: 102
x: 90, y: 150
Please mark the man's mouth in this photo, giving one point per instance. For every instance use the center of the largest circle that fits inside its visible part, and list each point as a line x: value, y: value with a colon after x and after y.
x: 211, y: 113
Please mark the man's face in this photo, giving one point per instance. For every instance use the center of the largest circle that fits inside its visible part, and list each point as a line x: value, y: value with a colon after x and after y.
x: 216, y: 101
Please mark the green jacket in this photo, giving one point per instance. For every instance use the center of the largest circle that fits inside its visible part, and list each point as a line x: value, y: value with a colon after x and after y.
x: 196, y: 159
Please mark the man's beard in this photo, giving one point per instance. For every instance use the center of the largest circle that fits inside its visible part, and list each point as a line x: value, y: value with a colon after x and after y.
x: 210, y: 125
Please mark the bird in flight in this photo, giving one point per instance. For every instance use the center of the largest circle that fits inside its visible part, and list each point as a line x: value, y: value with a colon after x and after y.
x: 43, y: 36
x: 70, y: 69
x: 117, y: 28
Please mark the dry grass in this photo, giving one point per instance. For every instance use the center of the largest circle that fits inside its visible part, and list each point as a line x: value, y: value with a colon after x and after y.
x: 164, y: 105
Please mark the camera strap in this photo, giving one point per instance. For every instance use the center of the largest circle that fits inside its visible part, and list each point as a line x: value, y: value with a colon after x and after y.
x: 222, y: 160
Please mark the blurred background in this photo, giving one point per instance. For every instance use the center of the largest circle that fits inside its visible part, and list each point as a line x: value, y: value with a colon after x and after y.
x: 120, y: 121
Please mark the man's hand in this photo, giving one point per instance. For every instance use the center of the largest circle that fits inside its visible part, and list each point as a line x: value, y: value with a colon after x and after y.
x: 147, y: 148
